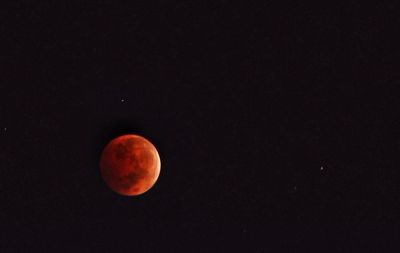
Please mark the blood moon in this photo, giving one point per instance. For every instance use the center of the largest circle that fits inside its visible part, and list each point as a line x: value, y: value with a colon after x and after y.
x: 130, y: 165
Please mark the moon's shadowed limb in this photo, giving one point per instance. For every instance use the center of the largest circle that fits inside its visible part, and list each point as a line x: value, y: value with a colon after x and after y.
x: 130, y: 165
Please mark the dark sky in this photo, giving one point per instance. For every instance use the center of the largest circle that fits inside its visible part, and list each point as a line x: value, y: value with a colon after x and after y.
x: 275, y: 124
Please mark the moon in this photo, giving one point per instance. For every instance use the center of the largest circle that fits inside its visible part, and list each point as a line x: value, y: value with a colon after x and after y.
x: 130, y: 165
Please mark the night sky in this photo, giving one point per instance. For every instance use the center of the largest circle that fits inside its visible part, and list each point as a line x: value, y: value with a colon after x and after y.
x: 277, y: 125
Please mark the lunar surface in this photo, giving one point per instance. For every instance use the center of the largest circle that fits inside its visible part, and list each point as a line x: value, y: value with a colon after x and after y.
x: 130, y: 165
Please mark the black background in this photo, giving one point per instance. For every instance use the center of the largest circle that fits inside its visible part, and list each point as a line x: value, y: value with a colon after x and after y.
x: 276, y: 124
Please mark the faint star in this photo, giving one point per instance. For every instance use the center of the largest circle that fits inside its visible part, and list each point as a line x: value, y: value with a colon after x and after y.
x: 321, y: 168
x: 122, y: 100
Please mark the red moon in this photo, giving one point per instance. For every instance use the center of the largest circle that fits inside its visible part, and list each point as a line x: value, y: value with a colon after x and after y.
x: 130, y: 165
